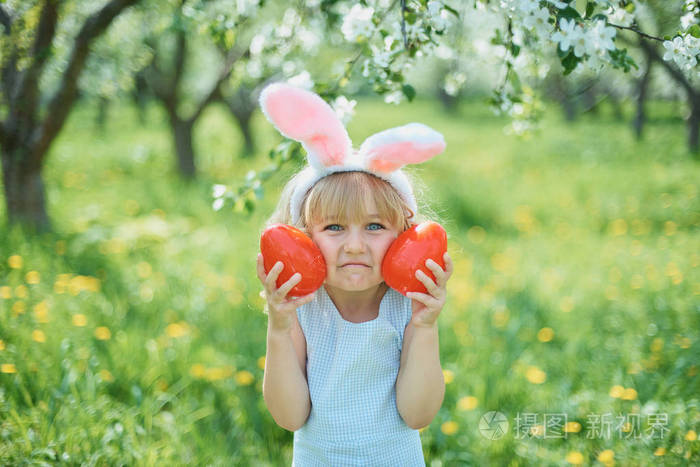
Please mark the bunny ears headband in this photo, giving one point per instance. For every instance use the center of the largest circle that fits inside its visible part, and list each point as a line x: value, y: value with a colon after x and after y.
x: 303, y: 116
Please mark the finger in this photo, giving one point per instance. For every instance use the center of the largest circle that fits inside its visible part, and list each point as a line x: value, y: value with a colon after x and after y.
x: 271, y: 279
x: 429, y: 301
x: 303, y: 300
x: 261, y: 268
x: 437, y: 270
x: 449, y: 265
x: 427, y: 282
x: 289, y: 285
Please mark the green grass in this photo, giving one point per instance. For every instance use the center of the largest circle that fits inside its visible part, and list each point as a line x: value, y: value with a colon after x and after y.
x: 133, y: 332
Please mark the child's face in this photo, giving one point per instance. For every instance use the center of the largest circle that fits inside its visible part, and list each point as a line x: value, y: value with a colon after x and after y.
x: 354, y: 251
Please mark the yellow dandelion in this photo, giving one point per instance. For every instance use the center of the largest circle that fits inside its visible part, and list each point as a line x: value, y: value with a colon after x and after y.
x: 617, y: 391
x: 537, y: 430
x: 467, y: 403
x: 572, y: 427
x: 545, y: 334
x: 79, y: 320
x: 261, y: 362
x: 691, y: 435
x: 5, y: 292
x: 660, y: 451
x: 448, y: 375
x: 630, y: 394
x: 32, y: 277
x: 38, y: 336
x: 627, y: 427
x: 574, y: 457
x: 41, y: 312
x: 19, y: 307
x: 144, y: 269
x: 105, y: 375
x: 198, y: 370
x: 176, y: 330
x: 8, y: 368
x: 216, y: 374
x: 618, y: 227
x: 535, y: 375
x: 606, y: 456
x: 21, y: 291
x: 102, y: 333
x: 60, y: 247
x: 476, y: 234
x: 449, y: 428
x: 566, y: 304
x: 15, y: 261
x: 244, y: 378
x: 2, y: 344
x: 670, y: 228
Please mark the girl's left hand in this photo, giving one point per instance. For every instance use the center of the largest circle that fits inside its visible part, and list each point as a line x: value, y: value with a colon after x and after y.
x: 427, y: 307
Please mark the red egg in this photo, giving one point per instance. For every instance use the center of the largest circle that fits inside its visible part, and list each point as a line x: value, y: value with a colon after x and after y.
x: 298, y: 252
x: 409, y: 252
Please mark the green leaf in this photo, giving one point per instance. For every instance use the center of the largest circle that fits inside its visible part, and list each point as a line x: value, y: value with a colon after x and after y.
x: 408, y: 91
x: 590, y: 7
x: 568, y: 13
x: 569, y: 62
x: 451, y: 10
x: 694, y: 30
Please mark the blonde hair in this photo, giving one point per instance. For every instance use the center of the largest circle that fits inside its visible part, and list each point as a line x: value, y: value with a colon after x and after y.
x: 344, y: 196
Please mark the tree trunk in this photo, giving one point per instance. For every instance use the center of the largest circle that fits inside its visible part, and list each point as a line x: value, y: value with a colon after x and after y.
x: 184, y: 149
x: 244, y: 125
x: 24, y: 192
x: 640, y: 118
x: 694, y: 126
x: 102, y: 112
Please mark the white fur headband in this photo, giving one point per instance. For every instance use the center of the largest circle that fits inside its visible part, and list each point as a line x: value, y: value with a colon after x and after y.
x: 303, y: 116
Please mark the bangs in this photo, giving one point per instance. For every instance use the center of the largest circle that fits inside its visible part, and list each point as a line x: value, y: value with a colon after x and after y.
x: 345, y: 197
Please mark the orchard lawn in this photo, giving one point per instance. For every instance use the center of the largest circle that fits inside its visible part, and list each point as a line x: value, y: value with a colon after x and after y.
x: 135, y: 334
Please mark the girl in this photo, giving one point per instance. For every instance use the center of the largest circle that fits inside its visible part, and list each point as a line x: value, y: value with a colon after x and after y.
x: 354, y: 368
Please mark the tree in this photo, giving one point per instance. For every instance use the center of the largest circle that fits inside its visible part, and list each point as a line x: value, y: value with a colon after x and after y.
x: 33, y: 116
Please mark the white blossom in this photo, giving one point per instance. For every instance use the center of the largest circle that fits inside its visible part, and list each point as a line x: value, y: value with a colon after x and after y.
x: 567, y: 34
x: 394, y: 97
x: 302, y: 80
x: 602, y: 36
x: 218, y: 191
x: 538, y: 21
x: 344, y: 108
x: 218, y: 204
x: 558, y: 4
x: 358, y: 23
x: 683, y: 51
x: 619, y: 16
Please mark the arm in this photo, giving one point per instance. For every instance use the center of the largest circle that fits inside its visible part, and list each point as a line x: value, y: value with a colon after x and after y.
x: 285, y: 387
x: 420, y: 385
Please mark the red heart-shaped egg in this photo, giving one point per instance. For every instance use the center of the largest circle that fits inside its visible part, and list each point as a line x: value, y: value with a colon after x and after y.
x: 280, y: 242
x: 409, y: 252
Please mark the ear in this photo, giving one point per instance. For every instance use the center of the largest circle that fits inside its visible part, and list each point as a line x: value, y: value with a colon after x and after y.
x: 393, y: 148
x: 305, y: 117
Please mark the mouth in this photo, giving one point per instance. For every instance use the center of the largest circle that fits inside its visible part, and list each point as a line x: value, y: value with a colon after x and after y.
x: 362, y: 265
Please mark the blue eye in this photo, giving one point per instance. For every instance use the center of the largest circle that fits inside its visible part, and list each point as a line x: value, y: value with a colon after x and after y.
x: 375, y: 226
x: 333, y: 227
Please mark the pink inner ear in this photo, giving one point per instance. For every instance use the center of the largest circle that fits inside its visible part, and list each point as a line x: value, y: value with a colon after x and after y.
x: 304, y: 116
x: 389, y: 157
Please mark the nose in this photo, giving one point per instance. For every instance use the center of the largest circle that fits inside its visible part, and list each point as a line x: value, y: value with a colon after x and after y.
x: 354, y: 242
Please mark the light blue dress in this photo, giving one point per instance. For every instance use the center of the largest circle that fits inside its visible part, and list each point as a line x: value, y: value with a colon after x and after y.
x: 351, y: 371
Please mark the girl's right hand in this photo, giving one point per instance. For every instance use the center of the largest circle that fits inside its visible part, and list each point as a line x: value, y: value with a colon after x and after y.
x: 281, y: 308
